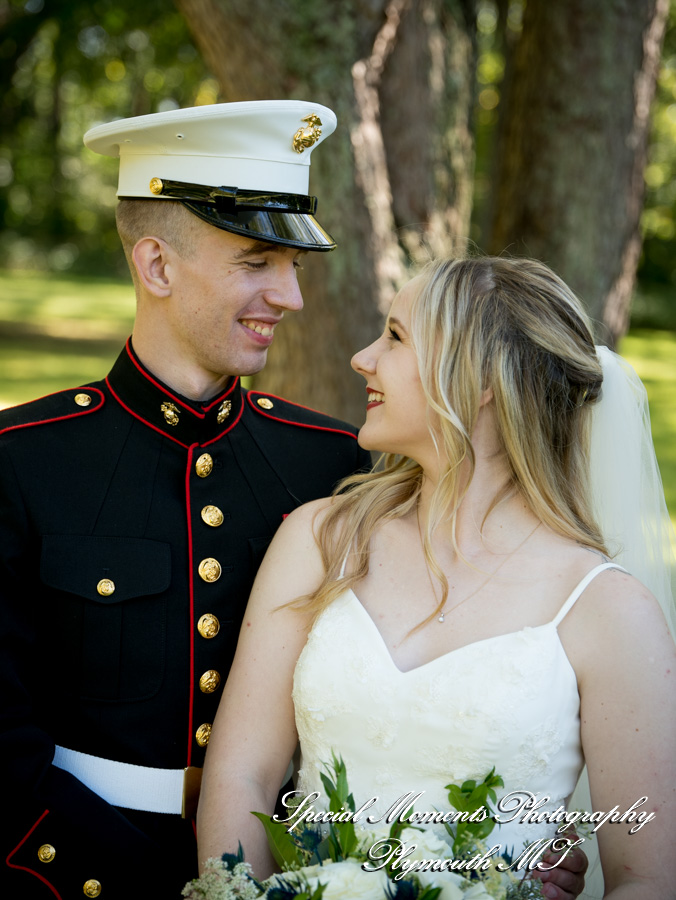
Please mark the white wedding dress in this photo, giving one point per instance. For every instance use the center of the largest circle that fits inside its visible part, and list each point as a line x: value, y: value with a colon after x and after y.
x: 509, y: 702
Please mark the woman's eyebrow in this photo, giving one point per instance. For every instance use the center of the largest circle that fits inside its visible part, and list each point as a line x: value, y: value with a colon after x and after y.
x: 394, y: 321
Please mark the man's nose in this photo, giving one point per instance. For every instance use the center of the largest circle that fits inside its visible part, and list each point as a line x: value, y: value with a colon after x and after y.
x: 284, y: 291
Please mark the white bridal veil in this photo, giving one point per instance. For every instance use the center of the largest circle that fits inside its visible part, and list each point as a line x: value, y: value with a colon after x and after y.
x: 631, y: 512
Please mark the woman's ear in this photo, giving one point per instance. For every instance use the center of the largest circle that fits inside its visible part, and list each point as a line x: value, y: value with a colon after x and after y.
x: 486, y: 396
x: 151, y: 259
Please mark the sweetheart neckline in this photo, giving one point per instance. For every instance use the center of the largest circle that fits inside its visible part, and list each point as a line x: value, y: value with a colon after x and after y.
x: 449, y: 653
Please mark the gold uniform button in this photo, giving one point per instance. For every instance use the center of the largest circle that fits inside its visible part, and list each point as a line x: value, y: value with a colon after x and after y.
x: 210, y: 681
x: 209, y: 569
x: 264, y: 403
x: 204, y: 465
x: 105, y: 587
x: 46, y: 853
x: 203, y: 734
x: 91, y: 888
x: 208, y: 626
x: 83, y: 399
x: 212, y: 516
x: 156, y: 186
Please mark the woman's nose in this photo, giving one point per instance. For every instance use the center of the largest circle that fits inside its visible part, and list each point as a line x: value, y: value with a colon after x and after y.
x: 364, y: 361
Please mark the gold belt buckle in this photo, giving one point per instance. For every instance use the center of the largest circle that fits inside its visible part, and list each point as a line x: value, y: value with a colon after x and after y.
x: 192, y: 781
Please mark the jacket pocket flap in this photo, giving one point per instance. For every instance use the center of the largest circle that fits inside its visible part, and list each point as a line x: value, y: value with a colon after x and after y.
x: 105, y: 569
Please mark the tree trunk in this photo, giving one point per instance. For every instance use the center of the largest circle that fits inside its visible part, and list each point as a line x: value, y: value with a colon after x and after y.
x: 394, y: 182
x: 569, y: 187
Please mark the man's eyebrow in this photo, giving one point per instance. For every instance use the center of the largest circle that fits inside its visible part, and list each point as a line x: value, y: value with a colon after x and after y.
x: 260, y: 247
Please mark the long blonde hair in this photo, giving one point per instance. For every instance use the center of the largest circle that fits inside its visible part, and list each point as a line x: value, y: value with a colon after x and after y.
x: 511, y: 325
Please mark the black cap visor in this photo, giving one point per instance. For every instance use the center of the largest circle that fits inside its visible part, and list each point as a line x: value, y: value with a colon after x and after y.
x: 288, y: 228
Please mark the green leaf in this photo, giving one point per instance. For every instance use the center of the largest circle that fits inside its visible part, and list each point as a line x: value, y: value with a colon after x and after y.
x: 282, y: 846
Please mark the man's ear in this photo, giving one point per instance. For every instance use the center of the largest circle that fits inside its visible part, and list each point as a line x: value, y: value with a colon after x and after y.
x: 151, y: 259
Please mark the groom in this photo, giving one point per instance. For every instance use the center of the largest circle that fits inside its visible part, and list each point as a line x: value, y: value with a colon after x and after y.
x: 135, y: 510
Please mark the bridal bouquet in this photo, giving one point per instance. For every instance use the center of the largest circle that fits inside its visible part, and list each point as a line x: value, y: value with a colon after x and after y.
x: 341, y: 861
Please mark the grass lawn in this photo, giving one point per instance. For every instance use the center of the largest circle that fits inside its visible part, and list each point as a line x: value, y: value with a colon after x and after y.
x: 58, y: 331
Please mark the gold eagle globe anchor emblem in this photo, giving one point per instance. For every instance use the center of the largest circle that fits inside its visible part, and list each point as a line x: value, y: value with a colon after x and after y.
x: 308, y: 135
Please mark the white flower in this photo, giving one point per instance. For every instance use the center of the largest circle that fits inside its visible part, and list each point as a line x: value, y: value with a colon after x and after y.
x: 429, y: 843
x: 344, y: 880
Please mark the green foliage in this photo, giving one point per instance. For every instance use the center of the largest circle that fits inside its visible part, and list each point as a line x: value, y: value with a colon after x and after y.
x: 68, y: 65
x: 472, y: 797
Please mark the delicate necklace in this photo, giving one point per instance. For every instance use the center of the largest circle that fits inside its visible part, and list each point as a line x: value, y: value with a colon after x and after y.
x: 483, y: 584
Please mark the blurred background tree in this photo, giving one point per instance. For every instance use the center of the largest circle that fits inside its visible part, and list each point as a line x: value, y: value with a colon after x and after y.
x: 519, y: 124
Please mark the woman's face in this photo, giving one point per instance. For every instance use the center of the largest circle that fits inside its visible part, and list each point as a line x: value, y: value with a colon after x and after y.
x: 396, y: 409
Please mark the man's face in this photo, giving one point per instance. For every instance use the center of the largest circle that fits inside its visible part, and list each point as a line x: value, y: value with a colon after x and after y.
x: 227, y: 298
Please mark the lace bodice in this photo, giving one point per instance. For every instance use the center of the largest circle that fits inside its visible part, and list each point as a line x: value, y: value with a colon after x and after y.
x: 509, y: 701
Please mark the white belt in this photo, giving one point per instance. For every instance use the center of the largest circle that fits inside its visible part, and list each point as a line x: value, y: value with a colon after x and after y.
x: 124, y: 784
x: 137, y: 787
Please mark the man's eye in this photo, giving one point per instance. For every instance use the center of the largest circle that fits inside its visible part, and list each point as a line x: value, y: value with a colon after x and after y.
x: 256, y: 265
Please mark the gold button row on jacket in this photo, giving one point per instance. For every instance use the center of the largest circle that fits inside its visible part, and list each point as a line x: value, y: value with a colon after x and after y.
x: 204, y: 465
x: 91, y: 888
x: 203, y: 734
x: 212, y: 516
x: 210, y: 681
x: 208, y: 626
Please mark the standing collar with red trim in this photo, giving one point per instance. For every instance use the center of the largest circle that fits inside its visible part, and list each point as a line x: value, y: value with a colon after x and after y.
x: 182, y: 420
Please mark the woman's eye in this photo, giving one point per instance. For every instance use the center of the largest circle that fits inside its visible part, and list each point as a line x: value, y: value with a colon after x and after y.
x: 392, y: 335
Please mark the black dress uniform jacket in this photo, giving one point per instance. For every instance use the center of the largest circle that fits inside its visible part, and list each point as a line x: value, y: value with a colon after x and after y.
x: 132, y: 523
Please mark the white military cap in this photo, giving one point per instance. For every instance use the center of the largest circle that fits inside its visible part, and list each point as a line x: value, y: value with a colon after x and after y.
x: 243, y: 167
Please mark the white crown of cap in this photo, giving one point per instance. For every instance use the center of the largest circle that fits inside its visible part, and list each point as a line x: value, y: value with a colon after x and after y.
x: 249, y: 146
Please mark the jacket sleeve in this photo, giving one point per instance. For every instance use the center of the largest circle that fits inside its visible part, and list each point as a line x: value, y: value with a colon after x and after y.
x: 57, y: 834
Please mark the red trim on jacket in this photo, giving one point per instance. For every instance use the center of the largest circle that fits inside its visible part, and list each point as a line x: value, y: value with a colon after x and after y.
x: 191, y: 591
x: 141, y: 419
x: 82, y: 411
x: 267, y: 415
x: 25, y: 868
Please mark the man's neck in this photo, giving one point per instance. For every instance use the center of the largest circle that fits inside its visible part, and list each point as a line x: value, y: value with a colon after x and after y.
x: 190, y: 382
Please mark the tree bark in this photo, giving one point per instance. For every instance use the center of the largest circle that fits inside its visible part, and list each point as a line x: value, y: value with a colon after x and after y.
x: 394, y: 182
x: 569, y: 187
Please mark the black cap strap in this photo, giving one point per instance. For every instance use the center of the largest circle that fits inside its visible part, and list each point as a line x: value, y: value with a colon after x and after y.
x: 231, y: 200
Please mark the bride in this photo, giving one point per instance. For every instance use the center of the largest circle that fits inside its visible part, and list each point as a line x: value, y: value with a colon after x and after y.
x: 456, y: 610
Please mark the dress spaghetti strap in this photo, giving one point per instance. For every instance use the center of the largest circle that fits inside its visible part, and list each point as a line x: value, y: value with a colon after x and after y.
x: 342, y: 568
x: 570, y: 602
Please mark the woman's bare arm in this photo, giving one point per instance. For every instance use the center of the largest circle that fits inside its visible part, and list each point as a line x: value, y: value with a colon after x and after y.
x: 626, y: 665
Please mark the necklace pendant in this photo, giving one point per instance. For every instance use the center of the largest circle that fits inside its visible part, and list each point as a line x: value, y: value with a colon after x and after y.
x: 441, y: 618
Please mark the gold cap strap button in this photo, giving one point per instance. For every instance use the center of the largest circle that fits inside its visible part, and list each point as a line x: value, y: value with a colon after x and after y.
x: 212, y: 516
x: 105, y: 587
x: 46, y: 853
x: 208, y: 626
x: 91, y: 888
x: 203, y: 734
x: 82, y: 399
x: 209, y: 569
x: 204, y: 465
x: 210, y: 681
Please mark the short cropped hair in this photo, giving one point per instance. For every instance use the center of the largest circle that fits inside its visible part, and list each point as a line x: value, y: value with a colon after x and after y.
x: 166, y: 219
